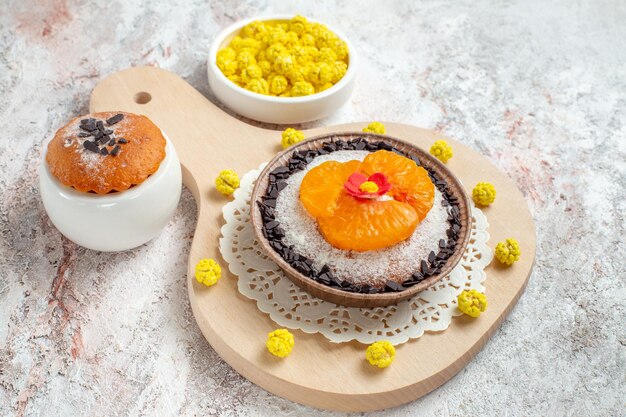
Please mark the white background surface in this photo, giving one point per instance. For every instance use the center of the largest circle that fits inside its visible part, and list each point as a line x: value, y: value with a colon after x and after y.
x: 537, y: 87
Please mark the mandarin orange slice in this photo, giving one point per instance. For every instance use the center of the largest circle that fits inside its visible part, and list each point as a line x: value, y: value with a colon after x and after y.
x: 363, y: 225
x: 410, y: 183
x: 352, y: 223
x: 322, y: 186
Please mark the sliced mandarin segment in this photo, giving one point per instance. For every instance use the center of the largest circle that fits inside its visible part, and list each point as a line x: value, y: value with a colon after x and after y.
x: 322, y: 186
x: 368, y: 225
x: 410, y: 183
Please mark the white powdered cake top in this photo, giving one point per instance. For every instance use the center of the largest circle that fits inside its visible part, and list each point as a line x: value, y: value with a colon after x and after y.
x: 374, y: 268
x: 91, y: 160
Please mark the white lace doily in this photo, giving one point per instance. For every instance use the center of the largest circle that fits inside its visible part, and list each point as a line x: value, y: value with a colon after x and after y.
x: 263, y: 281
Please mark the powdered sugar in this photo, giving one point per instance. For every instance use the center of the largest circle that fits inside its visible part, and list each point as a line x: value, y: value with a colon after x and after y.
x: 397, y: 262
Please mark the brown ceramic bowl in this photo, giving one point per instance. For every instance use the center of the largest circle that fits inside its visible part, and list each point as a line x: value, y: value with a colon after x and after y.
x: 346, y: 298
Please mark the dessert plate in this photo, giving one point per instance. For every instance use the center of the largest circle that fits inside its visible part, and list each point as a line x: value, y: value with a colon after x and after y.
x: 318, y: 372
x: 337, y: 295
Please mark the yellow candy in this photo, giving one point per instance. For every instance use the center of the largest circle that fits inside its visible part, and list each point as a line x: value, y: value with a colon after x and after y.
x: 327, y: 55
x: 278, y: 84
x: 272, y: 51
x: 236, y: 79
x: 264, y: 50
x: 250, y: 43
x: 277, y: 34
x: 236, y: 42
x: 298, y: 24
x: 301, y: 55
x: 227, y: 67
x: 284, y: 63
x: 302, y: 88
x: 375, y: 127
x: 308, y: 40
x: 291, y: 136
x: 484, y: 193
x: 208, y: 272
x: 321, y: 88
x: 227, y: 181
x: 245, y: 58
x: 266, y: 67
x: 256, y: 30
x: 472, y: 302
x: 253, y: 72
x: 227, y: 54
x: 291, y: 40
x: 325, y: 39
x: 380, y: 354
x: 258, y: 86
x: 321, y: 73
x: 280, y: 342
x: 441, y: 150
x: 508, y: 251
x: 340, y: 68
x: 340, y: 48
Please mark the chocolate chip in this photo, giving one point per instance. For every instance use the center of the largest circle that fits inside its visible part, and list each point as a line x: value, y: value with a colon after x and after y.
x: 417, y: 277
x: 100, y: 125
x: 91, y: 146
x: 277, y: 245
x: 89, y: 127
x: 114, y: 119
x: 115, y: 150
x: 271, y: 225
x: 280, y: 185
x: 104, y: 151
x: 122, y: 140
x: 431, y: 257
x: 111, y: 142
x: 270, y: 202
x: 393, y: 286
x: 371, y: 147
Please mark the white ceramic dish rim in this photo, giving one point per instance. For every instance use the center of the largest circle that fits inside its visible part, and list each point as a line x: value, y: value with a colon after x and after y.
x: 221, y: 36
x: 110, y: 198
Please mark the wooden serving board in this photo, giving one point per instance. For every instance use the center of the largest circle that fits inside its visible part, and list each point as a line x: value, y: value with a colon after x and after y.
x: 318, y: 373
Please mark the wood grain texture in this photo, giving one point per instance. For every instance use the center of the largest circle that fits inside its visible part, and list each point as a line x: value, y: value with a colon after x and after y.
x: 352, y: 299
x: 318, y: 373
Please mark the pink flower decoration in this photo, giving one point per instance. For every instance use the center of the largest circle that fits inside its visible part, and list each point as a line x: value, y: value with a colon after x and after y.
x: 354, y: 185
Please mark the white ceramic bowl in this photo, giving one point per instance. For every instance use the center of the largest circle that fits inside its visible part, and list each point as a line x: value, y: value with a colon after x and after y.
x: 117, y: 221
x: 281, y: 110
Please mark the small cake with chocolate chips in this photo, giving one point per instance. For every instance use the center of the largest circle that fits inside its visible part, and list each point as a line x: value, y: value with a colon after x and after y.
x: 106, y: 152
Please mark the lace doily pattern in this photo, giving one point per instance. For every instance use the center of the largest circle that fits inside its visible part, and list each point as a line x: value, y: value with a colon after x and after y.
x: 260, y: 279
